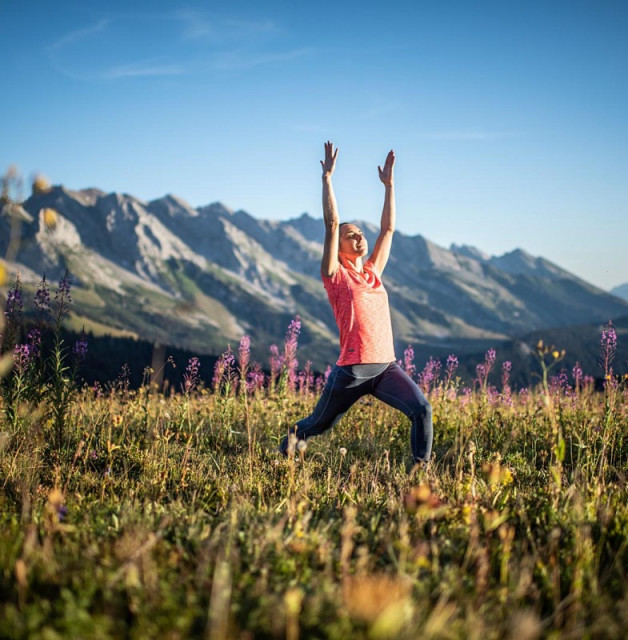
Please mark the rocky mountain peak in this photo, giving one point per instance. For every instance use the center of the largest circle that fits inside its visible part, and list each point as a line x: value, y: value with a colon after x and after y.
x: 139, y: 262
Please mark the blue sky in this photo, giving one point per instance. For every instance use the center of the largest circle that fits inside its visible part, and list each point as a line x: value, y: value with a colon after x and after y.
x: 508, y: 118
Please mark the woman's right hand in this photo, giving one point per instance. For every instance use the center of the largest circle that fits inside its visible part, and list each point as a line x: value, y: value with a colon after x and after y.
x: 329, y: 164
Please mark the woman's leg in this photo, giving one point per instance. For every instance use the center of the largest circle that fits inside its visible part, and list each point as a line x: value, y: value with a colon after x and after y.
x: 340, y: 392
x: 397, y: 389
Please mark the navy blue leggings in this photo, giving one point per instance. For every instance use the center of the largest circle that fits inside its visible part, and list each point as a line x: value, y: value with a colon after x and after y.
x: 392, y: 386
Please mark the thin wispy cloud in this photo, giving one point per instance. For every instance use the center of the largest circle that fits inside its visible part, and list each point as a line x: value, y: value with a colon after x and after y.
x: 145, y: 69
x: 201, y: 26
x: 194, y: 42
x: 239, y: 59
x: 79, y: 34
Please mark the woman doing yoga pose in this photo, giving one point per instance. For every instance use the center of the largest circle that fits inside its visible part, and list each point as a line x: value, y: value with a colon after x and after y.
x: 367, y: 363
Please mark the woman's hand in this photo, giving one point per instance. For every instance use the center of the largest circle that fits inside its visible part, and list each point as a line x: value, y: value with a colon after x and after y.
x: 330, y: 160
x: 386, y: 174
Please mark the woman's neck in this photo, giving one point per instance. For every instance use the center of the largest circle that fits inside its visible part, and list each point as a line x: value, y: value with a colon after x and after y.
x: 351, y: 262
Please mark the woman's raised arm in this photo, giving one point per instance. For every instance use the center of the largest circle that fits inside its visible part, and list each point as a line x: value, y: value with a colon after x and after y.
x: 329, y: 263
x: 381, y: 252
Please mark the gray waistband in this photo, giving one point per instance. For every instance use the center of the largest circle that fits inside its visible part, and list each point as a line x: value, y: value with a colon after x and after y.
x: 369, y: 370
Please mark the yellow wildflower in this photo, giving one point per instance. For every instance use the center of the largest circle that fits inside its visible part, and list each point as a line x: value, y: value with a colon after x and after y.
x: 50, y: 217
x: 40, y: 185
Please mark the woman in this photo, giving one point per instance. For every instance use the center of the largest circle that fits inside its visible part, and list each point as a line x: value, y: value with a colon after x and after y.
x: 367, y: 363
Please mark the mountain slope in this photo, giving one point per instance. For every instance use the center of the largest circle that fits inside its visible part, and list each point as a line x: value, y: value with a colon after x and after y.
x: 200, y: 278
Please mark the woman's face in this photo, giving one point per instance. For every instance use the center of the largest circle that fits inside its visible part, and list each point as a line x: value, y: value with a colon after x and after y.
x: 352, y: 241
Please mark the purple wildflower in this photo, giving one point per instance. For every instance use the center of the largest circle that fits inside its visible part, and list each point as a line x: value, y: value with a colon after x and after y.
x: 327, y: 373
x: 451, y: 366
x: 576, y: 373
x: 42, y: 297
x: 305, y: 378
x: 608, y: 344
x: 255, y: 378
x: 63, y: 291
x: 14, y: 301
x: 466, y: 396
x: 191, y: 377
x: 489, y: 359
x: 480, y: 374
x: 276, y: 362
x: 219, y: 371
x: 244, y: 353
x: 34, y: 341
x: 506, y: 368
x: 80, y: 348
x: 290, y: 350
x: 428, y: 377
x: 559, y: 383
x: 22, y: 356
x: 224, y: 371
x: 408, y: 361
x: 62, y: 299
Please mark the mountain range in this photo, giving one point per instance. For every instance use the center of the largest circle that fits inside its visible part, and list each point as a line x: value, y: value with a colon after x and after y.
x: 200, y: 278
x: 621, y: 291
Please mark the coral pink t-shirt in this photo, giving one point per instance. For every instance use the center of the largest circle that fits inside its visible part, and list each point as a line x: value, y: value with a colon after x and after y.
x: 360, y: 305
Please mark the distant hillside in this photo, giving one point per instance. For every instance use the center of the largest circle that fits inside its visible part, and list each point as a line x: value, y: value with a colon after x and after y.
x: 621, y: 291
x: 198, y: 279
x: 580, y: 342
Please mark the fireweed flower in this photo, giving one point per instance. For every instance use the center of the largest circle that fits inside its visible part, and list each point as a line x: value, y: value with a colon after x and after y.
x: 480, y: 373
x: 559, y: 383
x: 22, y: 356
x: 219, y: 371
x: 451, y: 366
x: 42, y: 297
x: 244, y: 353
x: 63, y: 292
x: 255, y: 378
x: 33, y: 339
x: 14, y: 301
x: 290, y: 350
x: 506, y: 368
x: 576, y: 374
x: 80, y: 348
x: 63, y: 299
x: 408, y: 361
x: 191, y: 377
x: 608, y: 345
x: 224, y: 370
x: 428, y: 377
x: 276, y: 361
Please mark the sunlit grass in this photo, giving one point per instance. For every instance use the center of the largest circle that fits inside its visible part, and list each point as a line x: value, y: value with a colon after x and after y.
x: 176, y: 525
x: 134, y: 513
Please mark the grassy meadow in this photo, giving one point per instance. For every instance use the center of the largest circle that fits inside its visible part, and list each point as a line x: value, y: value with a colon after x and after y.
x: 141, y: 514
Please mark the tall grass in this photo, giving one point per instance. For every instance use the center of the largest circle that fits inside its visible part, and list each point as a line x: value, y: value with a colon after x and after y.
x: 173, y: 516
